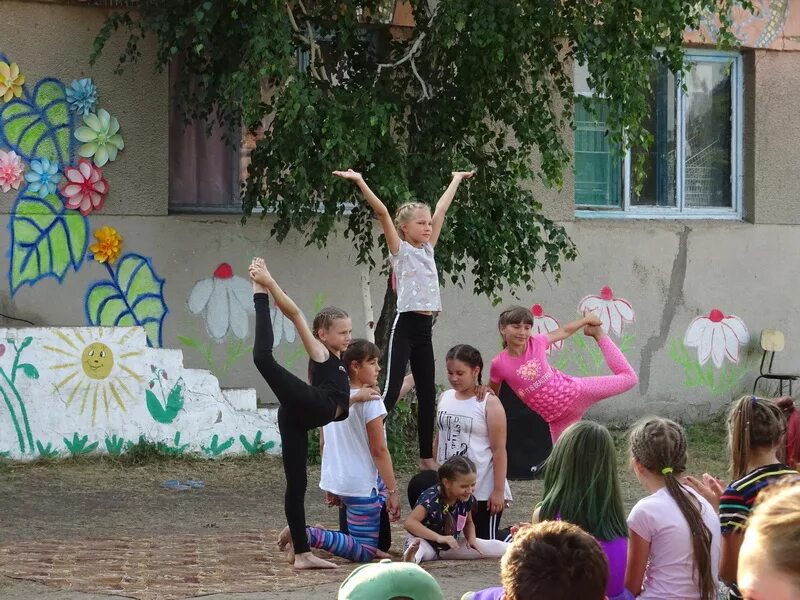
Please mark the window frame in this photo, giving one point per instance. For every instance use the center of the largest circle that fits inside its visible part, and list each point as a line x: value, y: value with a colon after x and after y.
x: 627, y: 211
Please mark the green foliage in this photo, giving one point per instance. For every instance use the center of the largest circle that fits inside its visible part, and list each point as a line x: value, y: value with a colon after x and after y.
x: 176, y: 449
x: 401, y: 436
x: 215, y: 448
x: 79, y: 445
x: 475, y: 84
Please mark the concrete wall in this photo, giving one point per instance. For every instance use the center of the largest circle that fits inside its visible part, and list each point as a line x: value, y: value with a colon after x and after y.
x: 671, y: 272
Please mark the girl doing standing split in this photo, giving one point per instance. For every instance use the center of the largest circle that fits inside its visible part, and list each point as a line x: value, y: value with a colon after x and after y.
x: 302, y: 406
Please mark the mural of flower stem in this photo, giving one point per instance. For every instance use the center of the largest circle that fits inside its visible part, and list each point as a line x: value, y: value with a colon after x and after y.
x: 24, y: 431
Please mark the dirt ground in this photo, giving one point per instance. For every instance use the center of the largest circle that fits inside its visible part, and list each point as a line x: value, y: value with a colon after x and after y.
x: 70, y: 503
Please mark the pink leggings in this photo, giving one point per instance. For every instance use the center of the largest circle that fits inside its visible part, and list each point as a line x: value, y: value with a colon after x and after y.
x: 592, y: 390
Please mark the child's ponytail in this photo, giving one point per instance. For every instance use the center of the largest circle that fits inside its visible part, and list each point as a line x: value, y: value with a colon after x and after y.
x: 660, y: 446
x: 753, y: 423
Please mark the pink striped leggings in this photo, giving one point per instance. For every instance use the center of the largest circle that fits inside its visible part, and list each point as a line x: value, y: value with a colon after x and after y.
x: 592, y: 390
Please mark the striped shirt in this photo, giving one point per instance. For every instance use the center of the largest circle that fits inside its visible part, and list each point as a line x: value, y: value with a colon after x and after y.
x: 736, y: 502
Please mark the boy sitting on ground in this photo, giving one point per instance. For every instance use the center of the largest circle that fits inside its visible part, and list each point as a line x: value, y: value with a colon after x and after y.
x: 554, y: 560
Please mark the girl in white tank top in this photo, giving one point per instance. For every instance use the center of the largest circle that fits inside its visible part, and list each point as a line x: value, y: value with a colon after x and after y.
x: 476, y: 428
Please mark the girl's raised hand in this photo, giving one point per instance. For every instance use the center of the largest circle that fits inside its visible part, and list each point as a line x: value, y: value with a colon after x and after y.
x: 349, y: 174
x: 710, y: 488
x: 463, y: 174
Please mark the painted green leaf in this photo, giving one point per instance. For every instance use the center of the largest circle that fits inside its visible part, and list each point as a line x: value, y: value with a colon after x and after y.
x: 215, y: 448
x: 30, y: 371
x: 39, y: 124
x: 166, y: 414
x: 135, y: 296
x: 79, y: 445
x: 115, y: 444
x: 46, y: 451
x: 46, y: 239
x: 254, y: 447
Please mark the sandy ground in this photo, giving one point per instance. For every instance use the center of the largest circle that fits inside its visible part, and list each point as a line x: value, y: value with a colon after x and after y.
x: 77, y: 499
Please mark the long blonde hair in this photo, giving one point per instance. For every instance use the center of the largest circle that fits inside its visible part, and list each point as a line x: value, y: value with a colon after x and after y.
x: 405, y: 213
x: 776, y: 523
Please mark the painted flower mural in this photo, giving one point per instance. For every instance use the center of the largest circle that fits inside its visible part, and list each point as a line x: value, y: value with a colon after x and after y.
x: 43, y: 177
x: 100, y: 136
x: 82, y: 96
x: 108, y: 246
x: 12, y: 170
x: 11, y: 81
x: 84, y: 188
x: 225, y: 301
x: 717, y: 337
x: 544, y: 324
x: 613, y: 312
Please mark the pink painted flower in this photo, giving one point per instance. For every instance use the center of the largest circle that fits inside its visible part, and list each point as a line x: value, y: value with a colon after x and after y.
x: 11, y: 171
x: 84, y: 188
x: 613, y: 312
x: 716, y: 336
x: 544, y: 324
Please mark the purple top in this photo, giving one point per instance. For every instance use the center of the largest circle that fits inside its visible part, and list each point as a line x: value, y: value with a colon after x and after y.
x: 617, y: 554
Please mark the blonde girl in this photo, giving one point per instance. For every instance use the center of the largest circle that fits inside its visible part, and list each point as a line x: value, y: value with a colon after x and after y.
x: 411, y: 239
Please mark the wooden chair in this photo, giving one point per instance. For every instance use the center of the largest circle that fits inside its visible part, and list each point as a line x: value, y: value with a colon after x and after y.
x: 772, y: 341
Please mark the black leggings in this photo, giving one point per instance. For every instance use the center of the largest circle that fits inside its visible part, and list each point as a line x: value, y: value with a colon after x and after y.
x: 410, y: 341
x: 487, y: 527
x: 302, y: 407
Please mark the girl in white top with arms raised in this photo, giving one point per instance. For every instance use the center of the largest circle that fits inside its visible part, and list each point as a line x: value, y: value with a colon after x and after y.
x: 411, y: 238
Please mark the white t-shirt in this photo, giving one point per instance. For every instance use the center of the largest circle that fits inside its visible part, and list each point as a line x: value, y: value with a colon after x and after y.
x: 670, y: 566
x: 463, y: 431
x: 347, y: 466
x: 417, y: 279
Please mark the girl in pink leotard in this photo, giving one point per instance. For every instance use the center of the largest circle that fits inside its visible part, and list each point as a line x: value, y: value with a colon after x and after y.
x: 559, y: 398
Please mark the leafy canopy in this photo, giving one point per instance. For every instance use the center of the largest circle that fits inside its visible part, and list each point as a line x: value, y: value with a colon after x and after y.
x: 476, y: 84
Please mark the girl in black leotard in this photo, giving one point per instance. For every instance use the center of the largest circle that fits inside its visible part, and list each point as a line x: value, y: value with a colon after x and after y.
x: 302, y: 406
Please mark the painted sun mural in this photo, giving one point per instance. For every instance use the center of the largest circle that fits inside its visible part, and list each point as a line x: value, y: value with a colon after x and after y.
x: 93, y: 372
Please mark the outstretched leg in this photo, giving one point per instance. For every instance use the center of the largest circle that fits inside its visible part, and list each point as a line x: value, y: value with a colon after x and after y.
x: 592, y: 390
x: 306, y: 404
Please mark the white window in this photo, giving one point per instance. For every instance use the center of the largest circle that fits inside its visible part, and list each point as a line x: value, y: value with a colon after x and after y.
x: 692, y: 169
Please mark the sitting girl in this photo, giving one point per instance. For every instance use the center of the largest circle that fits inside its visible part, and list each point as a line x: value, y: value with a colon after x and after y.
x: 674, y: 534
x: 440, y: 526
